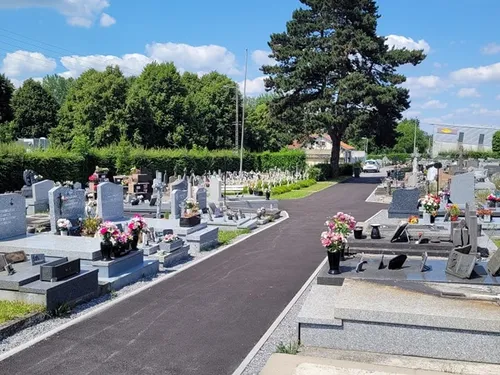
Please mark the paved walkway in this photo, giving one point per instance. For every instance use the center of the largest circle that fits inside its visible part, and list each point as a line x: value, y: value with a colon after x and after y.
x: 206, y: 319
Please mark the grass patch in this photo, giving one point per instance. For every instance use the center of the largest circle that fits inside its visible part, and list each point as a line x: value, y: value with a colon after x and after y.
x: 227, y: 236
x: 305, y: 192
x: 10, y: 310
x: 497, y: 242
x: 290, y: 348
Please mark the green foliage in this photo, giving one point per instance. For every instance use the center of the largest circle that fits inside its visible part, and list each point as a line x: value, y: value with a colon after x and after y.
x: 290, y: 348
x: 6, y: 91
x: 314, y: 173
x: 35, y: 111
x: 496, y: 142
x: 469, y: 154
x: 228, y: 236
x: 124, y: 157
x: 10, y: 310
x: 285, y: 188
x: 394, y: 157
x: 323, y: 87
x: 90, y: 226
x: 406, y: 135
x: 95, y: 107
x: 57, y: 86
x: 63, y: 310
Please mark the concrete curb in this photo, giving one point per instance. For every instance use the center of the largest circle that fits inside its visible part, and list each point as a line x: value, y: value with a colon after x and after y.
x: 12, y: 327
x: 113, y: 302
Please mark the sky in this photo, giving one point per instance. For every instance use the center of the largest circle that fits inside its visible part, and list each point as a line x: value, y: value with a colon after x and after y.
x: 458, y: 83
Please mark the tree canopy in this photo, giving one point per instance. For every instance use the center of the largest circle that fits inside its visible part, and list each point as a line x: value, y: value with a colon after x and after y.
x: 333, y: 72
x: 406, y: 134
x: 57, y: 86
x: 35, y: 111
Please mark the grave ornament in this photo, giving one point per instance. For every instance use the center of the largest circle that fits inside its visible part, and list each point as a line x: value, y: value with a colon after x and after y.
x: 397, y: 262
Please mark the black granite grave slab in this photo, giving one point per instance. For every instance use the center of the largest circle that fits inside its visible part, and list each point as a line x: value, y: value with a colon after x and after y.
x: 25, y: 274
x: 409, y: 272
x: 404, y: 203
x: 385, y: 246
x: 59, y: 269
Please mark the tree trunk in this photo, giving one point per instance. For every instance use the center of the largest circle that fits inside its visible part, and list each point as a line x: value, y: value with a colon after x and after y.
x: 335, y: 156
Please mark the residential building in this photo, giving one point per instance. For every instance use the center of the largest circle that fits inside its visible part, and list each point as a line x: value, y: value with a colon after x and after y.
x: 318, y: 149
x: 454, y: 137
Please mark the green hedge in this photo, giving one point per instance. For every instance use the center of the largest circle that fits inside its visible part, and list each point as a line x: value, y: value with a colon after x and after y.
x: 323, y: 172
x: 393, y: 156
x: 295, y: 186
x: 470, y: 154
x: 61, y: 165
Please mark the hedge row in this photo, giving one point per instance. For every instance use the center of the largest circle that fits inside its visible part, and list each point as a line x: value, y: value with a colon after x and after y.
x: 63, y: 165
x: 393, y: 156
x: 295, y: 186
x: 323, y: 172
x: 470, y: 154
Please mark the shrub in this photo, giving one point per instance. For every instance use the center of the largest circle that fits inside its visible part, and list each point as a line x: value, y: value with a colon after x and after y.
x: 314, y: 172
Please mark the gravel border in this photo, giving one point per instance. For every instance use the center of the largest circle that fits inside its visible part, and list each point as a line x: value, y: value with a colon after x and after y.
x: 36, y: 330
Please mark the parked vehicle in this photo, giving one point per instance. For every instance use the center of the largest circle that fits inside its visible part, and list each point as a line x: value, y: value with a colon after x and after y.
x: 371, y: 166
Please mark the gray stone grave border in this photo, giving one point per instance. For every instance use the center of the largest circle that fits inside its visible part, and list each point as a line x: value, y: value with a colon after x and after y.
x: 148, y: 285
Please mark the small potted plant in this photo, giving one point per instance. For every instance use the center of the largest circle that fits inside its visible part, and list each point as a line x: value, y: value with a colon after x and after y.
x: 454, y: 211
x: 64, y: 225
x: 191, y: 216
x: 430, y: 203
x: 268, y: 194
x: 342, y: 224
x: 108, y: 232
x: 122, y: 244
x: 170, y: 242
x: 356, y: 169
x: 492, y: 200
x: 136, y: 226
x: 413, y: 220
x: 334, y: 243
x: 486, y: 214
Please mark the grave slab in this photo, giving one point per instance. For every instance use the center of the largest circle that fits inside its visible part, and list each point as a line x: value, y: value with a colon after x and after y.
x: 119, y: 265
x: 404, y: 203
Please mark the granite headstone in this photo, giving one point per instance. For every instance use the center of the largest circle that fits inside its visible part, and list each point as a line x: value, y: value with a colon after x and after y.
x: 176, y: 199
x: 462, y: 188
x: 494, y: 263
x: 201, y: 198
x: 110, y: 201
x: 404, y: 203
x: 180, y: 184
x: 41, y: 191
x: 215, y: 189
x: 12, y: 215
x: 65, y: 203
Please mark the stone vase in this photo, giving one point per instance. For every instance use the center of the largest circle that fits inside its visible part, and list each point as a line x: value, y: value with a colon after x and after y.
x: 426, y: 218
x: 334, y: 262
x: 487, y: 218
x: 106, y: 249
x: 63, y: 233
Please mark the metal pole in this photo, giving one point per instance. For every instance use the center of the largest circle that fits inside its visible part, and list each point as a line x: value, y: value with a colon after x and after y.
x: 243, y: 112
x: 415, y: 141
x: 237, y: 91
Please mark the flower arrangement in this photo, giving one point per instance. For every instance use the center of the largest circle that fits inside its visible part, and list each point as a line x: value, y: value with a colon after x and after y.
x: 64, y: 224
x: 123, y: 238
x: 493, y: 198
x: 137, y: 224
x: 483, y: 212
x: 413, y: 220
x: 431, y: 203
x: 108, y: 231
x: 341, y: 223
x: 169, y: 238
x: 93, y: 178
x: 332, y: 241
x: 453, y: 210
x: 192, y: 207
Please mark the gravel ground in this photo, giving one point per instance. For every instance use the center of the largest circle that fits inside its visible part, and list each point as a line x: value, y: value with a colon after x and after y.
x: 48, y: 325
x: 286, y: 332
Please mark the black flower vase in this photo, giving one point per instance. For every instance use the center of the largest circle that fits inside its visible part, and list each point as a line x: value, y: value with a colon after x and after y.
x: 116, y: 250
x: 106, y: 249
x: 268, y: 195
x: 433, y: 219
x: 342, y: 253
x: 134, y: 242
x: 334, y: 262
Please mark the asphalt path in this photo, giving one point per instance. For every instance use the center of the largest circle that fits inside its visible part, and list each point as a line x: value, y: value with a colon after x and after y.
x: 206, y: 319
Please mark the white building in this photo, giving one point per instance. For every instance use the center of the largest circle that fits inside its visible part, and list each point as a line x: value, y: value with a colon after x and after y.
x: 452, y: 137
x: 318, y: 149
x: 31, y: 143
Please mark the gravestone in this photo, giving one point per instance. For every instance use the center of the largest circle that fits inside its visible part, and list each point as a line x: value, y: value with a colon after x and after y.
x: 216, y: 211
x: 215, y: 189
x: 404, y: 203
x: 77, y: 186
x: 65, y: 203
x: 176, y: 199
x: 462, y: 188
x: 201, y: 198
x: 12, y: 215
x: 180, y: 184
x: 494, y: 264
x: 471, y: 222
x: 460, y: 265
x: 41, y: 192
x: 110, y: 201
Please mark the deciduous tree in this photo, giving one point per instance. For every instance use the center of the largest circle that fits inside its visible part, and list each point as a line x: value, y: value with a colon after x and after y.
x: 58, y: 86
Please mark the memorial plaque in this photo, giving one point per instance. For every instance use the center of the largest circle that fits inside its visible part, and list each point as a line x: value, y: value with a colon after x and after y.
x: 462, y: 188
x: 423, y: 266
x: 201, y: 198
x: 494, y: 264
x: 381, y: 265
x: 400, y: 231
x: 15, y: 257
x: 404, y: 203
x: 65, y: 203
x: 397, y: 262
x: 460, y: 265
x: 37, y: 259
x: 59, y: 269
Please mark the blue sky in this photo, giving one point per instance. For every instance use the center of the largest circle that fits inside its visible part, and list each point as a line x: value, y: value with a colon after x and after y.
x: 458, y: 83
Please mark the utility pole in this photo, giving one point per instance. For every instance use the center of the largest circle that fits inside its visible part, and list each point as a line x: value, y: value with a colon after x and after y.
x: 243, y: 112
x: 236, y: 92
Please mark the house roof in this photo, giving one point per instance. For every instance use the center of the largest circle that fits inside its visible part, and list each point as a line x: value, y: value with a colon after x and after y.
x: 296, y: 144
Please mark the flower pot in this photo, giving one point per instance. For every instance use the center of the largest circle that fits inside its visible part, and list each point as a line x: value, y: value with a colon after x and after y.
x: 250, y: 191
x: 135, y: 241
x: 487, y: 218
x: 426, y: 218
x: 497, y: 204
x: 64, y: 233
x: 106, y: 249
x: 334, y: 262
x: 191, y: 221
x: 170, y: 246
x: 268, y: 195
x: 342, y: 253
x: 433, y: 219
x: 357, y: 172
x: 491, y: 204
x: 358, y: 233
x: 454, y: 218
x: 116, y: 250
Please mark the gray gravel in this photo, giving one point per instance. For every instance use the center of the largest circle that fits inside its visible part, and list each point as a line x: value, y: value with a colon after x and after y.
x: 31, y: 333
x: 286, y: 332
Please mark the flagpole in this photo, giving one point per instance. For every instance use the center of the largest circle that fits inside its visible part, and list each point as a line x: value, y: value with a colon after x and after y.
x: 243, y: 111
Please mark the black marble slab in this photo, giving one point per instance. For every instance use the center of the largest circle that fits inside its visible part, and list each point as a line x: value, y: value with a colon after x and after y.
x: 410, y: 272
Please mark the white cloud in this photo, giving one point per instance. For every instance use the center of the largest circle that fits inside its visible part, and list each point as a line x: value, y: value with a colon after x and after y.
x: 131, y: 64
x: 255, y: 86
x: 23, y: 63
x: 488, y: 112
x: 434, y: 104
x: 423, y: 85
x: 195, y: 58
x: 411, y: 113
x: 261, y: 57
x: 462, y: 110
x: 107, y: 20
x: 77, y: 12
x: 468, y: 93
x: 398, y: 41
x: 481, y: 74
x: 491, y: 49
